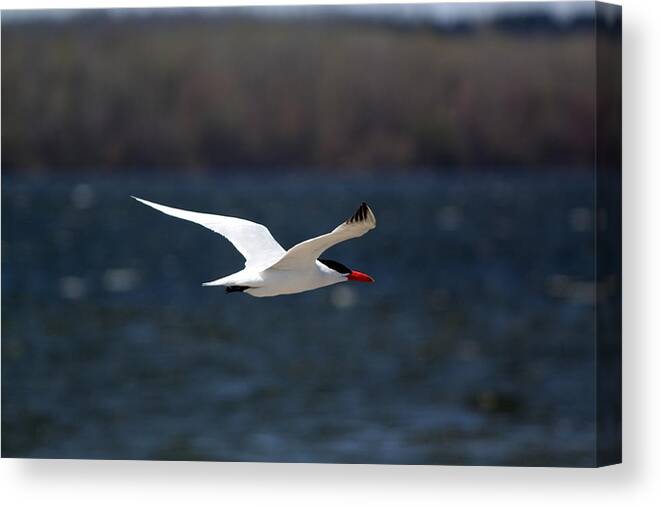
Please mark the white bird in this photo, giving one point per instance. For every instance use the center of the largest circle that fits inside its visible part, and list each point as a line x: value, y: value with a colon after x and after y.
x: 271, y: 270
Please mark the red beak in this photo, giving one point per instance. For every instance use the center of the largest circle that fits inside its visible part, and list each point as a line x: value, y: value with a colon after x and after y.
x: 357, y: 276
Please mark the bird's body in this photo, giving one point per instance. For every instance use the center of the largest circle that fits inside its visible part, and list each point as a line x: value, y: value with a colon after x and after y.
x: 275, y: 282
x: 271, y: 270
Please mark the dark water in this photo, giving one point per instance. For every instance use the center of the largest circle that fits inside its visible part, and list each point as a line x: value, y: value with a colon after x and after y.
x: 474, y: 346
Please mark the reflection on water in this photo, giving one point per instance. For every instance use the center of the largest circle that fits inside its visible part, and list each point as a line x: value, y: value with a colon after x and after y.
x: 474, y: 346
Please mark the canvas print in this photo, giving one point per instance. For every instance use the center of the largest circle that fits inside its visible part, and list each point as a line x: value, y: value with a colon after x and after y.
x: 383, y: 234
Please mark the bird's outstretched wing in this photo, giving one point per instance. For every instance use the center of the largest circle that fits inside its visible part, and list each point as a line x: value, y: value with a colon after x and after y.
x: 307, y: 252
x: 253, y: 241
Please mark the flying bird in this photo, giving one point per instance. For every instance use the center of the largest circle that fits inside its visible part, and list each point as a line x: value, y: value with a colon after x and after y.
x: 270, y: 270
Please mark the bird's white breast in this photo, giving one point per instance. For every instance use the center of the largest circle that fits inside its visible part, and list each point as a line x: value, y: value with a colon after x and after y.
x: 275, y: 282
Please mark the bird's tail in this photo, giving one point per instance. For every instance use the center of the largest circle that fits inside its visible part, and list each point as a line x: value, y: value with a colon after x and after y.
x: 221, y: 281
x: 229, y: 286
x: 226, y: 280
x: 239, y: 279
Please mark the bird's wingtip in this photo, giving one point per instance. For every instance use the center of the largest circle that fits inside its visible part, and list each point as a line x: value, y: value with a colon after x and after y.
x: 143, y: 201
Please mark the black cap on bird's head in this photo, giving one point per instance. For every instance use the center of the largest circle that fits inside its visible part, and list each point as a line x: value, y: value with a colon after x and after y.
x: 352, y: 275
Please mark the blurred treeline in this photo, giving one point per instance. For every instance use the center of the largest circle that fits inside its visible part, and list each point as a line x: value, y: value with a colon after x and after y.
x: 187, y: 92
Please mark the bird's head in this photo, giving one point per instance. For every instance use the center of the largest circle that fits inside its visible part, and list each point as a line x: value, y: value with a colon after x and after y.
x: 344, y: 272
